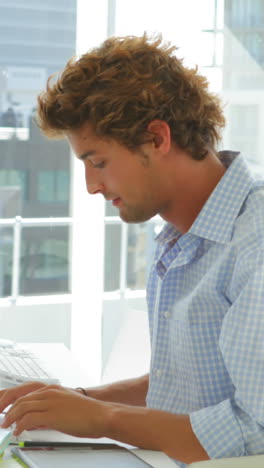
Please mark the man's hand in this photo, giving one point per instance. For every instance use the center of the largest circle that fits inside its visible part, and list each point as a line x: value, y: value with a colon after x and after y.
x: 9, y: 395
x: 58, y: 408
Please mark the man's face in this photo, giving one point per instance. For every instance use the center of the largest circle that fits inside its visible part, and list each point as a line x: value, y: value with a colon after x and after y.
x: 129, y: 179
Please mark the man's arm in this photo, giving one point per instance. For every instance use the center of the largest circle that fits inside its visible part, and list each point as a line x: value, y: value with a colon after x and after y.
x: 155, y: 430
x: 67, y: 411
x: 130, y: 392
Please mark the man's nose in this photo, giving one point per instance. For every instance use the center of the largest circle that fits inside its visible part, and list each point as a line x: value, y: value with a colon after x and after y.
x: 93, y: 182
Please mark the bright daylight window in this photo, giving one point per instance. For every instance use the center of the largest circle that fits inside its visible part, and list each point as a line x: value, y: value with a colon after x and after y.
x: 36, y: 39
x: 224, y: 37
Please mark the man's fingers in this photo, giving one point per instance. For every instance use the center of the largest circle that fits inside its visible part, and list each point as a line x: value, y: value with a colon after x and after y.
x: 30, y: 392
x: 46, y: 407
x: 38, y: 400
x: 7, y: 398
x: 28, y: 421
x: 10, y: 395
x: 22, y: 408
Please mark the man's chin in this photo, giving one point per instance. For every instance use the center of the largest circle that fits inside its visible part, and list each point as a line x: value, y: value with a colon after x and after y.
x: 133, y: 217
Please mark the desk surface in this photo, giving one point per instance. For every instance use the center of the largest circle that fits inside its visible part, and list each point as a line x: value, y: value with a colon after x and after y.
x: 61, y: 362
x: 239, y: 462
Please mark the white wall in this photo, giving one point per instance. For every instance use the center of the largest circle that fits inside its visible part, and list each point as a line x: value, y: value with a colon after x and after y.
x: 38, y: 323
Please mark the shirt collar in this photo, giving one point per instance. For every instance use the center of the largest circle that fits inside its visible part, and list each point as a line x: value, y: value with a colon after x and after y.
x: 216, y: 220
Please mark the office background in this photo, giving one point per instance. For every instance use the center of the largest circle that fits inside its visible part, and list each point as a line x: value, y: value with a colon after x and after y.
x: 70, y: 270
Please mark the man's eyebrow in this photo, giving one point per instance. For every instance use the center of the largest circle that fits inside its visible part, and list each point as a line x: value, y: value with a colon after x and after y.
x: 86, y: 155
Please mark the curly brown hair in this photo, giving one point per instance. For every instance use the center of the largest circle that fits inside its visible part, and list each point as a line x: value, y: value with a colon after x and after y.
x: 124, y: 84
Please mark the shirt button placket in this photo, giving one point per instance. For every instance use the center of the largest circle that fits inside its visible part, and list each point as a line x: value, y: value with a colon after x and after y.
x: 167, y: 314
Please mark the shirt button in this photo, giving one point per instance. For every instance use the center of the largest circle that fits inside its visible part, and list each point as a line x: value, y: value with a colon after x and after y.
x: 167, y: 314
x: 158, y: 373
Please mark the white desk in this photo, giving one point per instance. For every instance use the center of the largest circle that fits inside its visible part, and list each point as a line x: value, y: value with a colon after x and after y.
x: 256, y: 461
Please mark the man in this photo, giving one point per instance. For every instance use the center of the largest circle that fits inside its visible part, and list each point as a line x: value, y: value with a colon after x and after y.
x: 146, y: 129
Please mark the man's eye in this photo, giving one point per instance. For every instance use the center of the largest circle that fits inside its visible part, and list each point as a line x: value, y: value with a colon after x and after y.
x: 99, y: 165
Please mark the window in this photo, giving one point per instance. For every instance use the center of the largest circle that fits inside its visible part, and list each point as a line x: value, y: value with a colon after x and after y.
x: 44, y: 265
x: 244, y: 129
x: 36, y: 40
x: 16, y: 181
x: 53, y: 186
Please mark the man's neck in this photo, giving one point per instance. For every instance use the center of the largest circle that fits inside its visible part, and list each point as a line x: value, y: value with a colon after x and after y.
x: 197, y: 181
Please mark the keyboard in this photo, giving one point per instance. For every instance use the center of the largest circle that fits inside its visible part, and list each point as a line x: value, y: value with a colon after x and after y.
x: 18, y: 365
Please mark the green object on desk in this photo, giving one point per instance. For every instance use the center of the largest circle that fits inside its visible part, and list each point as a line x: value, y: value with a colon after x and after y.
x: 11, y: 463
x: 5, y: 439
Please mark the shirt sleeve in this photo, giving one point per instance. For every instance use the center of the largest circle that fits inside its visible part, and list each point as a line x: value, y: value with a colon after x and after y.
x: 235, y: 427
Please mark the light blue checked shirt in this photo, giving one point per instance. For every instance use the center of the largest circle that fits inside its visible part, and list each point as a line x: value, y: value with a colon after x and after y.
x: 206, y: 312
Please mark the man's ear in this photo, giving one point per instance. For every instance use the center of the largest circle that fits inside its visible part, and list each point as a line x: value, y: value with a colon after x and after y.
x: 160, y: 131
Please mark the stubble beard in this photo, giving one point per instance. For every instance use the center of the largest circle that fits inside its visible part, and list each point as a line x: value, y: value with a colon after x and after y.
x: 136, y: 214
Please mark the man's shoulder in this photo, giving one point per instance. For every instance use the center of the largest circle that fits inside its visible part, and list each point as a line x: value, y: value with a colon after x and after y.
x: 249, y: 225
x: 254, y: 203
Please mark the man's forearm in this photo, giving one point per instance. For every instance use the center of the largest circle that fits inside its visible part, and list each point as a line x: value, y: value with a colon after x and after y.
x: 155, y: 430
x: 129, y: 392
